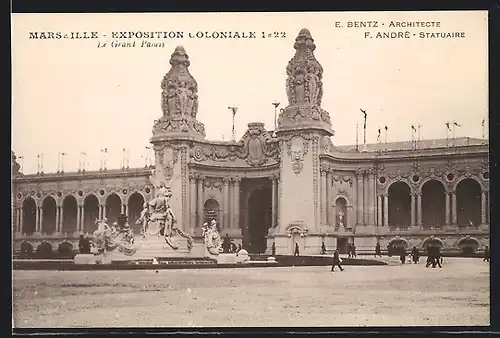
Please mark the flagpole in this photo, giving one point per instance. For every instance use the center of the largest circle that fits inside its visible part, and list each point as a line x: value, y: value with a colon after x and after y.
x: 357, y: 132
x: 275, y: 104
x: 234, y: 110
x: 418, y: 136
x: 21, y: 159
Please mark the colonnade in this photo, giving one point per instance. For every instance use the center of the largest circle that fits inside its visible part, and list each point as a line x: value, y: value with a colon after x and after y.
x: 231, y: 204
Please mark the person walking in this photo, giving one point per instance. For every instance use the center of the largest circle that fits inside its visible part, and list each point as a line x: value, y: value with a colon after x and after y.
x: 336, y: 261
x: 415, y: 255
x: 378, y: 251
x: 486, y: 257
x: 273, y: 249
x: 323, y: 248
x: 353, y: 250
x: 297, y: 250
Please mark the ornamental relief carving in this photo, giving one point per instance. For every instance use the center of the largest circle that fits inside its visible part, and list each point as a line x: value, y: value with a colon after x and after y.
x: 417, y: 175
x: 256, y: 147
x: 297, y: 148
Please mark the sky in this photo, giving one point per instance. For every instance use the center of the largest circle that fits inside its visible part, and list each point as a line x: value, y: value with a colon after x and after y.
x: 69, y: 96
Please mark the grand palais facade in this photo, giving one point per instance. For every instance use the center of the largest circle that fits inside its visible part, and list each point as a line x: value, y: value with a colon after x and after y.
x: 289, y: 185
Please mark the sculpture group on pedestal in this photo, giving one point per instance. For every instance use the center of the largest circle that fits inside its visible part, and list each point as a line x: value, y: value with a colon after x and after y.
x: 110, y: 238
x: 158, y: 219
x: 212, y: 239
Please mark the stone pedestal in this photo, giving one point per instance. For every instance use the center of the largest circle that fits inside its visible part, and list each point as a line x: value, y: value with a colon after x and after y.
x: 86, y: 259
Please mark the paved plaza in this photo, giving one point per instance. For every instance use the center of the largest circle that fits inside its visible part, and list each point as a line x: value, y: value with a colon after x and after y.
x: 390, y: 295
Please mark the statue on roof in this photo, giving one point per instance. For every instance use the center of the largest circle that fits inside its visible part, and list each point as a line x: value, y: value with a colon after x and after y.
x: 179, y: 88
x: 179, y: 100
x: 16, y: 168
x: 304, y: 86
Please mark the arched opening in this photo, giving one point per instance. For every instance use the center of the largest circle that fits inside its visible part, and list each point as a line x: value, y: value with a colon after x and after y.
x: 433, y: 203
x: 468, y: 202
x: 211, y: 211
x: 468, y: 246
x: 399, y: 204
x: 259, y: 219
x: 432, y: 242
x: 135, y: 205
x: 44, y: 249
x: 49, y: 208
x: 113, y: 207
x: 70, y: 215
x: 395, y: 246
x: 26, y: 248
x: 341, y: 210
x: 29, y: 216
x: 90, y: 213
x: 65, y: 249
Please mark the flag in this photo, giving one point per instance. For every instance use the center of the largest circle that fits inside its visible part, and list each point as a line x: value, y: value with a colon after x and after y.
x: 84, y: 153
x: 234, y: 109
x: 482, y: 123
x: 456, y: 124
x: 385, y: 128
x: 378, y: 136
x: 64, y: 154
x: 448, y: 125
x: 413, y: 127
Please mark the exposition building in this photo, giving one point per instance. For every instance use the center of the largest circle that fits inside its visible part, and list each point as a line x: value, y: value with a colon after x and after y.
x: 290, y: 185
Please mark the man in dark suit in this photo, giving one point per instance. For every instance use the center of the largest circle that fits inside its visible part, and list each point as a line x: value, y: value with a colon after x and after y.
x: 336, y: 261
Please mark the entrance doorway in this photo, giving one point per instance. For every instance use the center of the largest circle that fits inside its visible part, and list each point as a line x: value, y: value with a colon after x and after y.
x: 342, y: 245
x: 259, y: 218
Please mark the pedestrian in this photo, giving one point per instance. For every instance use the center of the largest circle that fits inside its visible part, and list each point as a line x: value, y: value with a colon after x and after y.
x: 336, y: 261
x: 323, y: 248
x: 438, y: 259
x: 430, y: 257
x: 353, y: 250
x: 273, y: 249
x: 297, y: 250
x: 84, y: 245
x: 378, y: 251
x: 349, y: 250
x: 415, y: 255
x: 486, y: 257
x: 402, y: 255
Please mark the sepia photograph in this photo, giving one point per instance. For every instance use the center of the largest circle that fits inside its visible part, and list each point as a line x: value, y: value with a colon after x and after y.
x: 251, y: 169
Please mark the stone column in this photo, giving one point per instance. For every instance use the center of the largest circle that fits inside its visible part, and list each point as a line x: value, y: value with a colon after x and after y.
x: 78, y: 218
x: 412, y: 210
x: 483, y: 207
x: 360, y: 195
x: 366, y: 200
x: 200, y: 200
x: 323, y: 196
x: 82, y: 221
x: 274, y: 180
x: 21, y: 221
x: 225, y: 211
x: 192, y: 200
x: 371, y: 198
x: 122, y: 208
x: 58, y: 218
x: 386, y: 210
x: 41, y: 220
x: 419, y: 209
x: 379, y: 210
x: 37, y: 220
x: 453, y: 208
x: 237, y: 202
x: 447, y: 208
x: 329, y: 204
x: 104, y: 210
x: 100, y: 211
x: 61, y: 222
